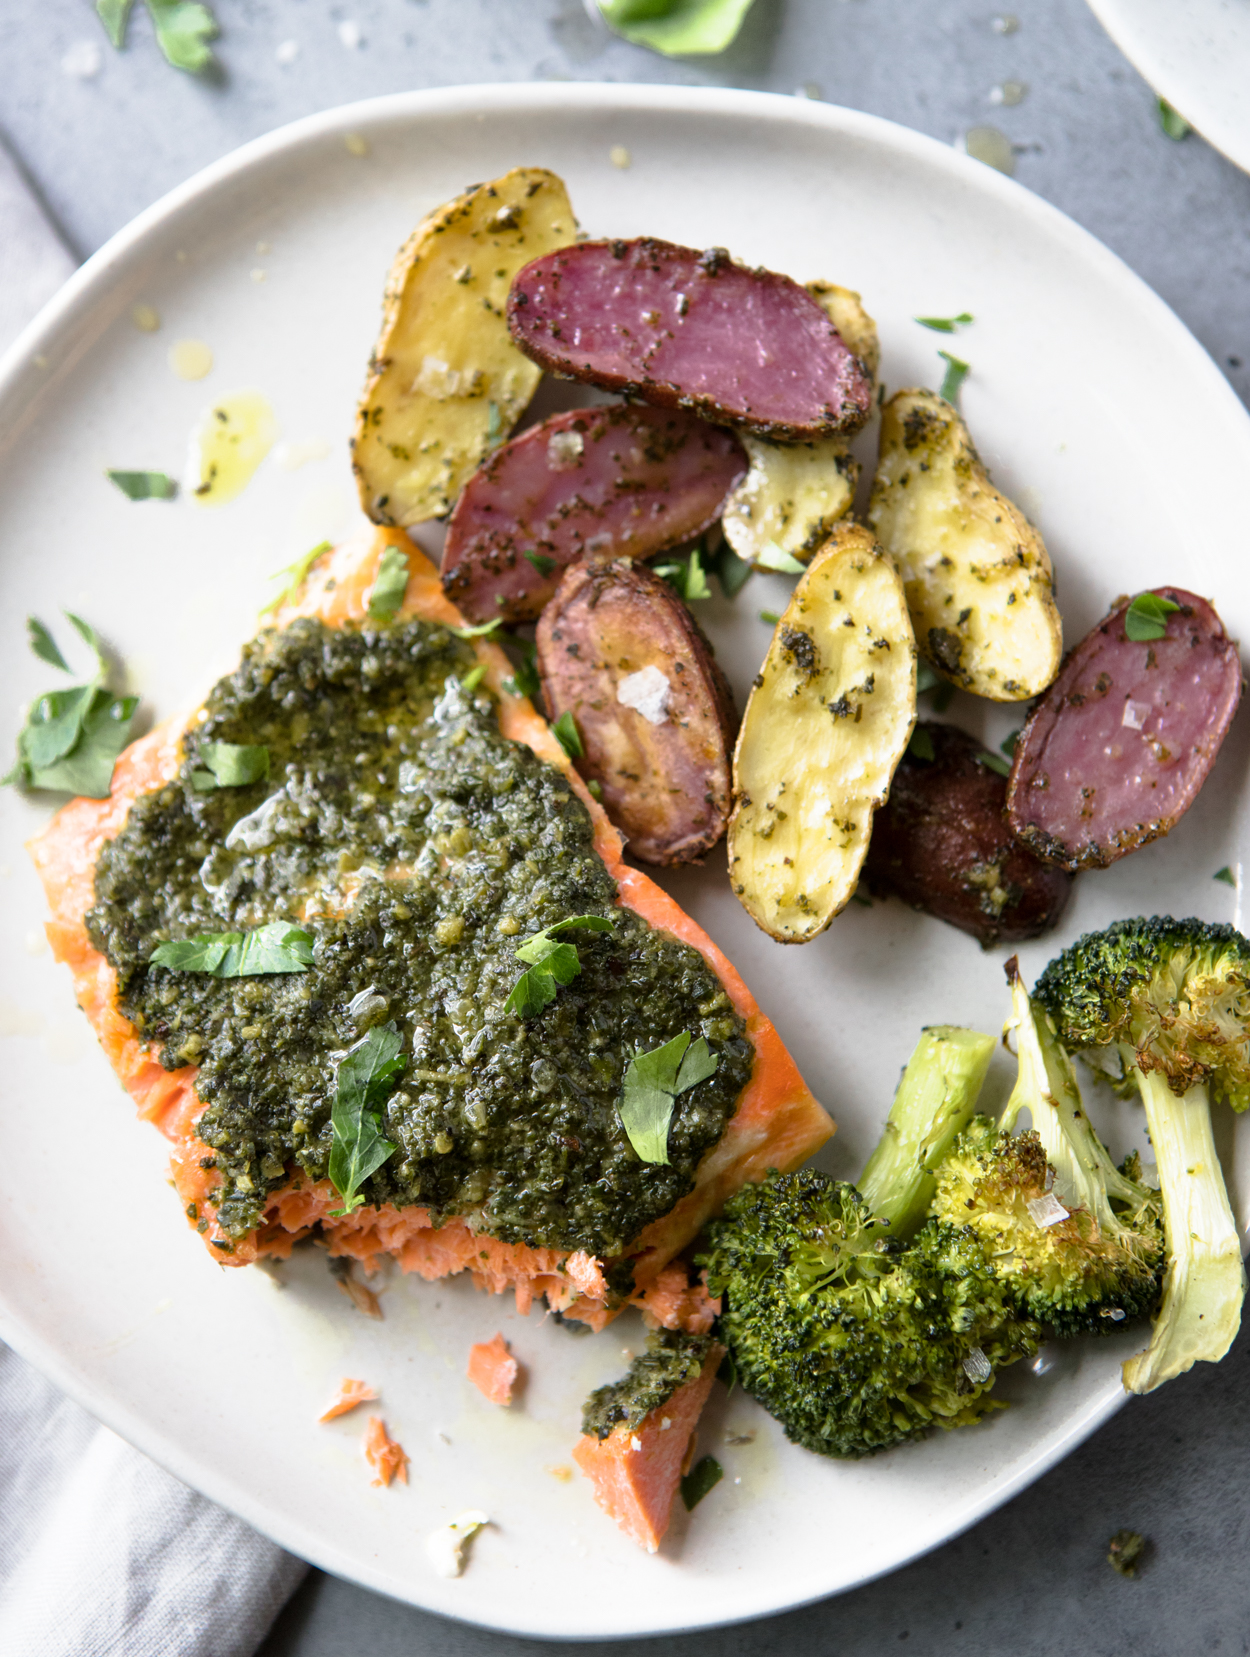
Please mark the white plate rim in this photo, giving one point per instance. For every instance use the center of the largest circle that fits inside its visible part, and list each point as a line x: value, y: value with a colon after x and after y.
x: 1152, y: 54
x: 73, y: 302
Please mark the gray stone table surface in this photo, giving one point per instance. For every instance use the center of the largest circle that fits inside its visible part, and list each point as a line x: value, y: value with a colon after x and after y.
x: 101, y: 145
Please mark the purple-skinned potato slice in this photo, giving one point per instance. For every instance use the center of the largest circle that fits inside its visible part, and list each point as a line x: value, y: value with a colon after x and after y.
x: 603, y: 482
x: 621, y: 652
x: 1116, y: 751
x: 942, y: 844
x: 683, y: 329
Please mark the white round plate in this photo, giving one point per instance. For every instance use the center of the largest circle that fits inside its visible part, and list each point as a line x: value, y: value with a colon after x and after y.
x: 1194, y: 53
x: 1078, y: 376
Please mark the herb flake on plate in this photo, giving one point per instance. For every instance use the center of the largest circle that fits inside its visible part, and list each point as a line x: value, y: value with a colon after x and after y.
x: 677, y: 28
x: 389, y: 585
x: 944, y: 324
x: 144, y: 486
x: 71, y: 738
x: 957, y: 372
x: 183, y: 29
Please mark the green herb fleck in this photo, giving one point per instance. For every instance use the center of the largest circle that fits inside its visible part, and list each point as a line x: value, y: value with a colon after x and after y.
x: 486, y: 628
x: 524, y: 680
x: 705, y: 1475
x: 595, y: 789
x: 72, y: 738
x: 994, y: 762
x: 389, y: 586
x: 687, y: 575
x: 1226, y: 875
x: 541, y: 562
x: 1124, y: 1551
x: 774, y: 557
x: 1008, y: 744
x: 944, y: 324
x: 114, y: 14
x: 956, y: 372
x: 677, y: 28
x: 366, y: 1078
x: 550, y: 964
x: 930, y: 683
x: 183, y: 29
x: 1171, y: 121
x: 295, y: 576
x: 731, y: 571
x: 921, y: 744
x: 278, y: 947
x: 144, y: 486
x: 473, y: 677
x: 567, y: 735
x: 1146, y: 618
x: 652, y: 1081
x: 494, y: 426
x: 230, y: 765
x: 770, y: 616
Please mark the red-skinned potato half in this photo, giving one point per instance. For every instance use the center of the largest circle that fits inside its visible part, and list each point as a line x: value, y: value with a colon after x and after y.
x: 1116, y: 751
x: 684, y: 329
x: 942, y: 844
x: 621, y: 653
x: 625, y: 480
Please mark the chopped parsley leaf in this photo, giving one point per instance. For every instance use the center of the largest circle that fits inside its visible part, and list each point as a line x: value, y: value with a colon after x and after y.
x: 296, y: 574
x: 144, y: 486
x: 774, y: 557
x: 278, y: 947
x: 956, y: 372
x: 1146, y: 618
x: 567, y: 735
x: 366, y: 1078
x: 1226, y: 875
x: 652, y: 1082
x: 550, y: 964
x: 230, y: 765
x: 541, y: 562
x: 705, y: 1475
x: 389, y: 585
x: 944, y: 324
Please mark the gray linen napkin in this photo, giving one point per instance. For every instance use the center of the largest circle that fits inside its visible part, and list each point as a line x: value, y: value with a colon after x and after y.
x: 102, y: 1553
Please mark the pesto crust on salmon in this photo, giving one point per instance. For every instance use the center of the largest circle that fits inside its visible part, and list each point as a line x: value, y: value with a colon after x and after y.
x: 418, y: 820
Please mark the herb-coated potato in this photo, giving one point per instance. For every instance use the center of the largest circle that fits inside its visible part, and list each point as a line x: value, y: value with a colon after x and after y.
x: 794, y: 493
x: 978, y: 578
x: 942, y: 844
x: 621, y: 652
x: 827, y: 721
x: 446, y: 383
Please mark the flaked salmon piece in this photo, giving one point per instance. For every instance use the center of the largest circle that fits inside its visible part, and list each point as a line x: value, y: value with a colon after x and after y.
x: 384, y: 1453
x: 777, y: 1124
x: 636, y: 1471
x: 675, y: 1302
x: 351, y: 1394
x: 493, y: 1370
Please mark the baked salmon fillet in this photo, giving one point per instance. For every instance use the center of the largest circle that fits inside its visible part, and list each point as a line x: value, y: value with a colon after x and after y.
x: 772, y: 1121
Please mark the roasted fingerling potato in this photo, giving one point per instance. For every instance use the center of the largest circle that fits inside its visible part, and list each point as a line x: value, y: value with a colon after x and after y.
x: 621, y: 653
x: 827, y: 721
x: 446, y: 383
x: 979, y: 582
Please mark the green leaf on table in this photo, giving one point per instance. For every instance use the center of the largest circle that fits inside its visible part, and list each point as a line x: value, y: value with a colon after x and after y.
x: 956, y: 373
x: 144, y: 486
x: 920, y: 745
x: 652, y: 1082
x: 995, y: 762
x: 777, y: 558
x: 1171, y: 122
x: 944, y: 324
x: 389, y: 585
x: 1226, y: 875
x: 567, y: 735
x: 770, y: 616
x: 44, y: 645
x: 86, y: 767
x: 277, y: 947
x: 230, y: 765
x: 1008, y: 744
x: 183, y: 31
x: 705, y: 1475
x: 366, y: 1079
x: 294, y: 576
x: 677, y: 28
x: 1146, y: 618
x: 551, y: 963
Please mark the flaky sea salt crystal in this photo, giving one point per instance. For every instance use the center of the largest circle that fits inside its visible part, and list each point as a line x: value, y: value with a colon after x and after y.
x: 1134, y: 715
x: 977, y: 1367
x: 1047, y: 1210
x: 647, y: 692
x: 565, y: 450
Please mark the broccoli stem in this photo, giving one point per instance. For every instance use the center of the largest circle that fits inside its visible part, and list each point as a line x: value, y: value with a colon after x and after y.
x: 936, y: 1098
x: 1046, y: 1086
x: 1204, y: 1284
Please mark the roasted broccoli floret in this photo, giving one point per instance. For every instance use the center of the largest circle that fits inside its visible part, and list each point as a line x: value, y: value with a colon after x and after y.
x: 855, y: 1336
x: 1078, y: 1240
x: 1165, y: 1005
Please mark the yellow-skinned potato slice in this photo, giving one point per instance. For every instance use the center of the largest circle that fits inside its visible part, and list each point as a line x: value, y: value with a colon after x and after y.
x: 978, y: 577
x: 446, y: 383
x: 792, y: 496
x: 828, y: 720
x: 794, y: 493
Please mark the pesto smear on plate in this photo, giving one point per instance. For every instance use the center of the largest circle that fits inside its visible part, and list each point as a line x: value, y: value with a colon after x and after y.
x: 419, y: 847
